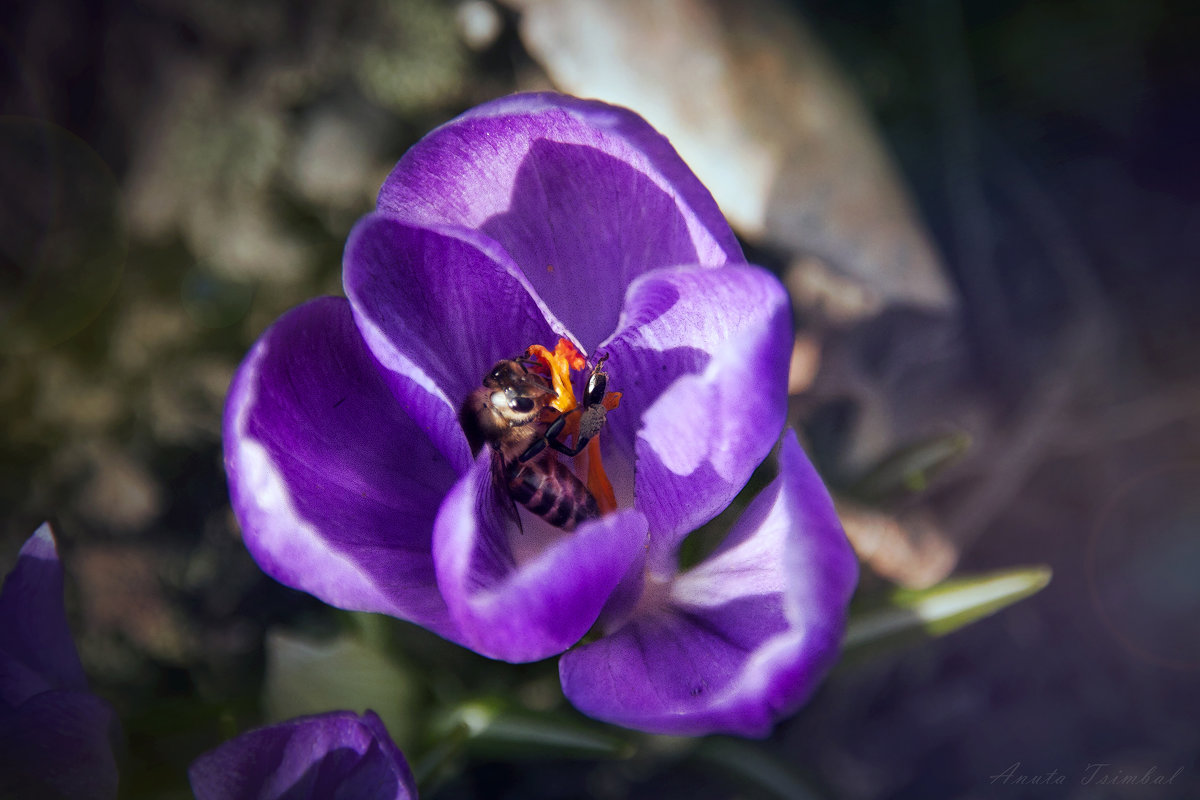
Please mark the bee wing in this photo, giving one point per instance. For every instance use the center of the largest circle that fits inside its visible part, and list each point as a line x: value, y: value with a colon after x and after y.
x: 500, y: 488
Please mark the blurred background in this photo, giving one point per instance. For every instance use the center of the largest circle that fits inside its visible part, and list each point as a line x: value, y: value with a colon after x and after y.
x: 987, y: 214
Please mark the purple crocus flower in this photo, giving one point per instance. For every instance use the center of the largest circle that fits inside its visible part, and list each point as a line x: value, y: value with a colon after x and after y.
x: 338, y: 755
x: 526, y: 220
x: 56, y: 737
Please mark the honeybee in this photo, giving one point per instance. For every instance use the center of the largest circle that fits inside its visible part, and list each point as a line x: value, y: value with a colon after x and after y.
x: 509, y: 412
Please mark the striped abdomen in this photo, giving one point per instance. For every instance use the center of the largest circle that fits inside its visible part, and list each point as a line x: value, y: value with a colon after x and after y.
x: 549, y: 489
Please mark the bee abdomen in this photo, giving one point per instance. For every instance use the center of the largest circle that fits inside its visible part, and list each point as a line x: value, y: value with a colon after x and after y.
x: 550, y: 490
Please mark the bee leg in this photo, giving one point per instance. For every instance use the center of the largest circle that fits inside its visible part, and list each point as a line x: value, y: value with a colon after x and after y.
x: 555, y: 428
x: 593, y: 419
x: 533, y: 450
x: 570, y: 451
x: 597, y: 384
x: 580, y: 443
x: 552, y: 433
x: 549, y: 438
x: 590, y: 423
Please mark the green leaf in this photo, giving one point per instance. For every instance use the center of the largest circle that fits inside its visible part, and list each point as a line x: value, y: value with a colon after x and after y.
x: 494, y: 729
x: 908, y: 469
x: 914, y: 614
x: 750, y: 764
x: 307, y: 676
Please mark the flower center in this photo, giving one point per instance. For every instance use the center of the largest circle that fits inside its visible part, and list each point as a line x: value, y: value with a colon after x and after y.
x: 590, y: 417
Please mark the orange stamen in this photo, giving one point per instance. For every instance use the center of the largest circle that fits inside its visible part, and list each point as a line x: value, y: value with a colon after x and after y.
x: 559, y: 365
x: 591, y: 462
x: 597, y: 481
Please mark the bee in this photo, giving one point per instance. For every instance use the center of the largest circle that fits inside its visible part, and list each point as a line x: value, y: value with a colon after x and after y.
x: 508, y: 412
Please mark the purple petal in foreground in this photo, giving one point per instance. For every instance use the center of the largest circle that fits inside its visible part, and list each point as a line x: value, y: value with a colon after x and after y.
x: 59, y: 746
x: 584, y: 196
x: 56, y: 739
x: 334, y: 485
x: 701, y: 356
x: 37, y: 653
x: 526, y: 608
x: 742, y: 639
x: 335, y: 756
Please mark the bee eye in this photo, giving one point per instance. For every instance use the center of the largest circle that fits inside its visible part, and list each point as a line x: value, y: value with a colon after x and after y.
x: 522, y: 405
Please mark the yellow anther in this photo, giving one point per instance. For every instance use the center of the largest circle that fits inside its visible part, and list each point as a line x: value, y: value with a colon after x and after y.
x: 559, y: 364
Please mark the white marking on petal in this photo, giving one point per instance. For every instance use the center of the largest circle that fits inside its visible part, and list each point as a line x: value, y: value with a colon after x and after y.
x: 278, y: 528
x: 754, y: 566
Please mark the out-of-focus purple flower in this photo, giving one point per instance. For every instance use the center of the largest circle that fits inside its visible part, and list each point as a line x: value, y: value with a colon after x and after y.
x: 333, y: 756
x: 527, y: 219
x: 56, y: 737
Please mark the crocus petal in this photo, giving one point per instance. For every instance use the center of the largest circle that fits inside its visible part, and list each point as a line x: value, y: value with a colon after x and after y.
x: 56, y: 739
x: 334, y: 485
x: 339, y: 756
x: 59, y: 746
x: 37, y: 653
x: 525, y: 611
x: 742, y: 639
x: 439, y: 308
x: 701, y: 356
x: 584, y: 196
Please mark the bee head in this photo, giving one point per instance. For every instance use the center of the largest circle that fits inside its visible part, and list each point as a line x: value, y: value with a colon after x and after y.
x: 511, y: 396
